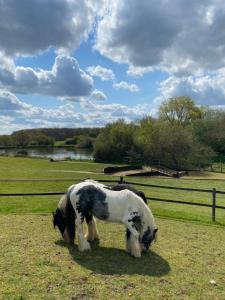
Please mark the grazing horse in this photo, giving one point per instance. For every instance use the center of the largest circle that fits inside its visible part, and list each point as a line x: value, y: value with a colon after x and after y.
x: 90, y: 198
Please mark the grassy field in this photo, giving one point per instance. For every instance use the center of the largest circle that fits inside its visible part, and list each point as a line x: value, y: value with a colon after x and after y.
x: 57, y: 176
x: 185, y: 263
x: 36, y: 264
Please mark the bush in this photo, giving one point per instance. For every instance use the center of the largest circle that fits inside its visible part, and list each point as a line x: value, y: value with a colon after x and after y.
x: 84, y: 142
x: 114, y: 142
x: 71, y: 141
x: 44, y: 140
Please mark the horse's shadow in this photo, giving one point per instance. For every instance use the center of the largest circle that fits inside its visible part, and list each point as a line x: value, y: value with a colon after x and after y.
x: 112, y: 261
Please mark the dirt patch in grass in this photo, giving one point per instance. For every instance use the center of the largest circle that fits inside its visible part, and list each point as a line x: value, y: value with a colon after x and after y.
x: 36, y: 264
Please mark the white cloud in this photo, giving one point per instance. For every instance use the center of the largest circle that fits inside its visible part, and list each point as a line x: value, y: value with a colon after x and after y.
x: 32, y: 26
x: 97, y: 95
x: 16, y: 114
x: 126, y: 86
x: 103, y: 73
x: 107, y: 74
x: 105, y: 113
x: 177, y: 36
x: 138, y: 71
x: 65, y: 79
x: 205, y: 90
x: 10, y: 103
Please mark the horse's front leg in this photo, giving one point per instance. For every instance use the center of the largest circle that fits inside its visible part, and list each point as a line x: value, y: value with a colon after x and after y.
x: 92, y: 232
x: 83, y: 244
x: 132, y: 239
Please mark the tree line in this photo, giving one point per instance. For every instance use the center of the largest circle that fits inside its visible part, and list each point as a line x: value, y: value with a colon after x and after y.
x: 183, y: 136
x: 49, y: 137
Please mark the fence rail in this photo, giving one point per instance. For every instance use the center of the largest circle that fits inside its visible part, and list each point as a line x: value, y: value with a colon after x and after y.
x: 213, y: 193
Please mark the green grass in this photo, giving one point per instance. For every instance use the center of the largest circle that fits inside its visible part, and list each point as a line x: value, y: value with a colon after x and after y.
x: 36, y: 264
x: 70, y: 172
x: 218, y: 167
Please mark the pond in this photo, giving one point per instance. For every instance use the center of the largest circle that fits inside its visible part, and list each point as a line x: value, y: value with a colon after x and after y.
x: 55, y: 153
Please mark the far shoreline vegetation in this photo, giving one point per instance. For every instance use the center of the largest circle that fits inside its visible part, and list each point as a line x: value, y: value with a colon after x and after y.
x: 50, y: 137
x: 183, y: 136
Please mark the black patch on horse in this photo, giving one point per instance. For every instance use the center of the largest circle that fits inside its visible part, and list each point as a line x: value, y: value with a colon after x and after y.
x: 128, y: 234
x: 88, y: 218
x: 92, y: 200
x: 136, y: 221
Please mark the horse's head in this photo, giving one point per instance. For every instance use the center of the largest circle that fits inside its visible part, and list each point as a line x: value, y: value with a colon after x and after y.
x: 148, y: 238
x: 64, y: 218
x: 59, y: 221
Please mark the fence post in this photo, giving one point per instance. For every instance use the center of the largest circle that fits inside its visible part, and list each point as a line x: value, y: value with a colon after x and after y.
x: 121, y: 180
x: 213, y: 204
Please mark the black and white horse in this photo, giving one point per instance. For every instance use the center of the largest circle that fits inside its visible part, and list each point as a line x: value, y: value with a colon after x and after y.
x: 90, y: 198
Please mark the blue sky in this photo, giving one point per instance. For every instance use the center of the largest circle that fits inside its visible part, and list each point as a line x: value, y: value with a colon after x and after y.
x: 76, y: 63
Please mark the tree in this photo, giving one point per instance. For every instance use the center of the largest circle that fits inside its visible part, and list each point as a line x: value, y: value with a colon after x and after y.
x: 44, y: 140
x: 173, y: 145
x: 179, y: 111
x: 84, y: 141
x: 21, y: 138
x: 114, y: 142
x: 6, y: 141
x: 210, y: 130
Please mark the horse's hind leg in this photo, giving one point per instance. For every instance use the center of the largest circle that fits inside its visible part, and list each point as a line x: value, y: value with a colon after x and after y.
x: 92, y: 233
x: 83, y: 244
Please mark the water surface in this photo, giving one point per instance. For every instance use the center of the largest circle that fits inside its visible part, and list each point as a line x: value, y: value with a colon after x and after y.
x: 55, y: 153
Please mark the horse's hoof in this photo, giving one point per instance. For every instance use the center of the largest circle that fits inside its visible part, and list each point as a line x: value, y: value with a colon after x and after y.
x: 85, y: 246
x: 137, y: 255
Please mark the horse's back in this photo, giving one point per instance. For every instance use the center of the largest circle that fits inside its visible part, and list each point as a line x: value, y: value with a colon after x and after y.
x: 89, y: 197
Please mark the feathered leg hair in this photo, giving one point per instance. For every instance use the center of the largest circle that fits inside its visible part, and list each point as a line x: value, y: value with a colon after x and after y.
x: 92, y: 232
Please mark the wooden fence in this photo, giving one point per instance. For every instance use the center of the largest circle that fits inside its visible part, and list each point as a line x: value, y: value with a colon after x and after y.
x: 213, y: 192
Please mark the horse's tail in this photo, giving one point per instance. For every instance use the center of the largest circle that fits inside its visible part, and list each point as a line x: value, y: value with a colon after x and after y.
x: 70, y: 218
